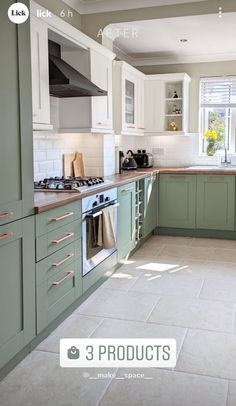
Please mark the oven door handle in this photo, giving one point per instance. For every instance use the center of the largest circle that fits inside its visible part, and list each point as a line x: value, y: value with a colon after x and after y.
x: 94, y: 215
x: 116, y: 205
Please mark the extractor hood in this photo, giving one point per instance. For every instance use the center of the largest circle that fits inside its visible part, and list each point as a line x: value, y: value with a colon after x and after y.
x: 65, y: 81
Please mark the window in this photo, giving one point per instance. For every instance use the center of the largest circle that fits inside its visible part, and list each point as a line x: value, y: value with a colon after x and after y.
x: 218, y: 111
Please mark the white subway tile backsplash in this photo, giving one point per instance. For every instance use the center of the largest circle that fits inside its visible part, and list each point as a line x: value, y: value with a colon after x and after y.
x: 46, y: 166
x: 40, y: 156
x: 98, y: 153
x: 53, y: 154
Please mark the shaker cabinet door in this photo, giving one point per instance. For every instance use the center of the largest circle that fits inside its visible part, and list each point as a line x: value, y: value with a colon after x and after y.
x: 150, y: 205
x: 126, y: 219
x: 17, y: 287
x: 16, y: 140
x: 216, y: 202
x: 177, y: 201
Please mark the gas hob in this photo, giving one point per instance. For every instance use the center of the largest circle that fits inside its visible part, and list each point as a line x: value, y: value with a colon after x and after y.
x: 70, y: 184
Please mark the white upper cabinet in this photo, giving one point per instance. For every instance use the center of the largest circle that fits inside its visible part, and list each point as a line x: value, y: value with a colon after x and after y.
x: 73, y: 114
x: 167, y: 104
x: 128, y: 99
x: 40, y: 76
x: 154, y: 104
x: 101, y: 75
x: 149, y: 104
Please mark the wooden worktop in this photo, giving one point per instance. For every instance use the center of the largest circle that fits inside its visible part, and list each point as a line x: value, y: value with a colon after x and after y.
x: 49, y: 200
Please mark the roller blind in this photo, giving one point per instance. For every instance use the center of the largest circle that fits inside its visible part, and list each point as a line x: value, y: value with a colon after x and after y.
x: 218, y: 92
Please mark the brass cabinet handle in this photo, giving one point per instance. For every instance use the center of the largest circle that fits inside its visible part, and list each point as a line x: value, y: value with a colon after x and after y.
x: 127, y: 190
x: 68, y: 275
x: 68, y: 235
x: 6, y: 214
x: 130, y: 126
x: 71, y: 213
x: 56, y: 264
x: 6, y: 235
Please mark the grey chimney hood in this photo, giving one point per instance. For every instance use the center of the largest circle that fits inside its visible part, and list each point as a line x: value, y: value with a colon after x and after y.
x: 65, y: 81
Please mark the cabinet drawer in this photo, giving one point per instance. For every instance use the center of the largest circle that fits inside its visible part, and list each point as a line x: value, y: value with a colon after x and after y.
x: 55, y: 218
x: 57, y: 293
x: 55, y: 240
x: 51, y: 265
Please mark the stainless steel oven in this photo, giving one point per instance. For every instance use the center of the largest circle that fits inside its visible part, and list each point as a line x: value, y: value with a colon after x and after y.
x: 94, y: 254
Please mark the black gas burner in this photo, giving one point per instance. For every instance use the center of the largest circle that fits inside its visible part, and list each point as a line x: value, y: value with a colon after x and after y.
x: 75, y: 184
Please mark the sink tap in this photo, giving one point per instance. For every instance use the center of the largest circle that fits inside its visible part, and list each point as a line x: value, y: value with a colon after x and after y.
x: 226, y: 160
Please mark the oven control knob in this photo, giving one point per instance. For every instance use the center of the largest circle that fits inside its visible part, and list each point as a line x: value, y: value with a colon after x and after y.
x: 95, y: 204
x: 107, y: 199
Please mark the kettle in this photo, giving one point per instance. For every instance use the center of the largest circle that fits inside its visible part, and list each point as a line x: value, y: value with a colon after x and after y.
x: 129, y: 161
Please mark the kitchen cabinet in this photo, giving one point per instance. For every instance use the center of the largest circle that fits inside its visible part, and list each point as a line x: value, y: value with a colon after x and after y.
x: 17, y: 287
x: 126, y: 219
x: 150, y: 205
x: 154, y: 105
x: 40, y: 74
x: 216, y: 202
x: 16, y: 149
x: 167, y: 104
x: 88, y: 114
x: 59, y: 283
x: 58, y: 261
x: 128, y: 99
x: 177, y: 201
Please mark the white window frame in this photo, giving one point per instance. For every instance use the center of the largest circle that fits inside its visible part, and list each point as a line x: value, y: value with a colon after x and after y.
x: 231, y: 142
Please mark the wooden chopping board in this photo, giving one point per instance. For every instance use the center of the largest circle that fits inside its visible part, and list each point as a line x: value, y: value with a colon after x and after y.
x: 78, y: 165
x: 68, y: 168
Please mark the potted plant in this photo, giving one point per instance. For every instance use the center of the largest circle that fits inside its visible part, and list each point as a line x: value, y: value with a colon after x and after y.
x: 211, y: 139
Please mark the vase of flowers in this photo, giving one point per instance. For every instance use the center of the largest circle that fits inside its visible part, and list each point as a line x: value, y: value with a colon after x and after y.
x: 211, y: 138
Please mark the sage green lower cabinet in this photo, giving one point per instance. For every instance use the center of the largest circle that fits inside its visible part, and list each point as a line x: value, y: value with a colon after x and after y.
x: 17, y: 287
x: 126, y: 219
x: 150, y: 205
x: 177, y: 201
x: 59, y: 261
x: 215, y: 202
x: 16, y: 141
x: 61, y: 287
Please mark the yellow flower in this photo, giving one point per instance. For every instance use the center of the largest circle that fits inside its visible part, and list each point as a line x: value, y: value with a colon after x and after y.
x: 208, y: 134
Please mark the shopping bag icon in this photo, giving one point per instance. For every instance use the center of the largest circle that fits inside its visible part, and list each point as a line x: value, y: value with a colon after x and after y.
x: 73, y: 353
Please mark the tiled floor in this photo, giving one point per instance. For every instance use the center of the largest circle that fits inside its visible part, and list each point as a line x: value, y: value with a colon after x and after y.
x: 182, y: 288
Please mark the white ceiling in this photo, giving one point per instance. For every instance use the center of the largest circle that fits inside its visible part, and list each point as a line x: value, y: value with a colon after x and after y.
x: 100, y: 6
x: 158, y: 41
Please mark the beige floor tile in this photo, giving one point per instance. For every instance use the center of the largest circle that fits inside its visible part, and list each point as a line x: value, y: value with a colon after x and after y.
x: 219, y: 289
x: 40, y: 381
x: 156, y: 283
x: 221, y: 270
x: 170, y: 240
x: 165, y: 388
x: 192, y: 268
x: 232, y: 394
x: 119, y: 304
x: 224, y: 255
x: 110, y: 328
x: 194, y: 313
x: 208, y: 353
x: 188, y: 252
x: 213, y: 243
x: 148, y: 251
x: 121, y: 280
x: 75, y: 326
